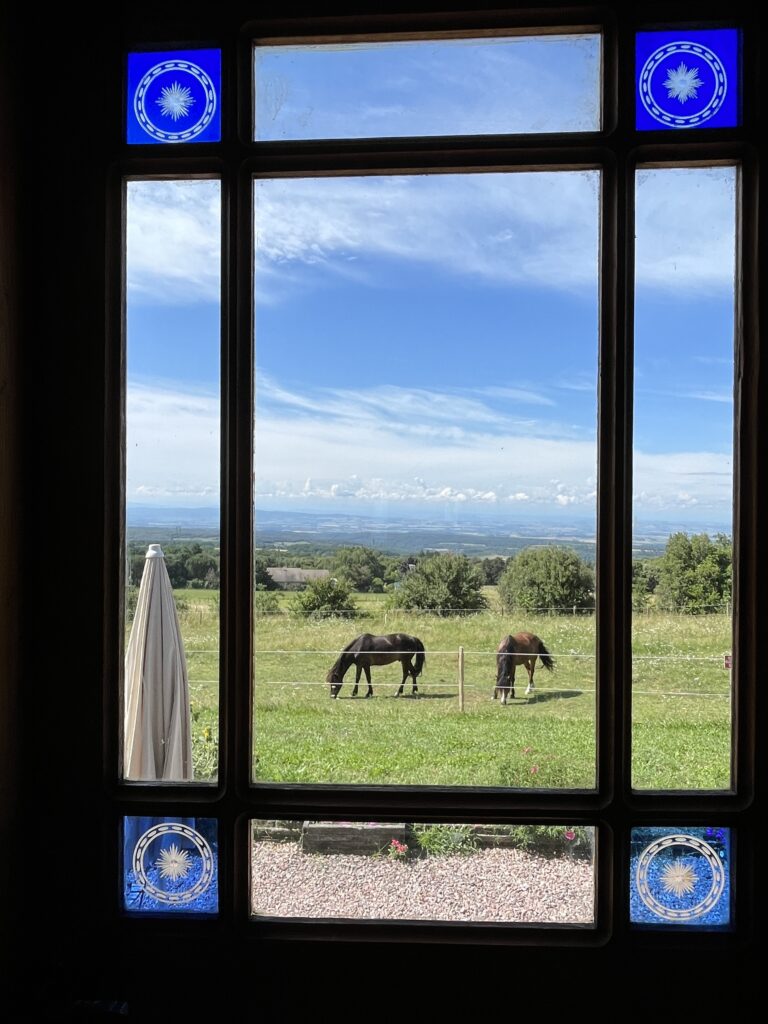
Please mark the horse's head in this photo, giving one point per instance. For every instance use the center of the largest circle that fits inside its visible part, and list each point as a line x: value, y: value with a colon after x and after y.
x: 334, y: 680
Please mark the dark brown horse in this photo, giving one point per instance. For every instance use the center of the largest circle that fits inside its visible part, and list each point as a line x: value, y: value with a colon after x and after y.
x: 367, y: 649
x: 520, y: 649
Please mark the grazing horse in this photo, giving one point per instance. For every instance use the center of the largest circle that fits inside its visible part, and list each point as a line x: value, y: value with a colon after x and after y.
x: 367, y: 649
x: 520, y: 649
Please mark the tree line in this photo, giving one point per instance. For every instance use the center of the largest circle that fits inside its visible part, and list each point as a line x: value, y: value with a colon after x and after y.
x: 692, y: 575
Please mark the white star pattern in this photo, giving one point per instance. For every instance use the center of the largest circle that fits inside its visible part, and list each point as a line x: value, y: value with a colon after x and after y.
x: 173, y: 863
x: 682, y: 83
x: 175, y: 101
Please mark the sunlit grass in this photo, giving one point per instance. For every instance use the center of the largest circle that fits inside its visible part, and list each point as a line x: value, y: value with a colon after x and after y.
x: 681, y: 706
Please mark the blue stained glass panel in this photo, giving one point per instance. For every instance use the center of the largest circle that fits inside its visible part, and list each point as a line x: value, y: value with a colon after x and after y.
x: 687, y: 79
x: 174, y: 96
x: 680, y: 877
x: 170, y: 865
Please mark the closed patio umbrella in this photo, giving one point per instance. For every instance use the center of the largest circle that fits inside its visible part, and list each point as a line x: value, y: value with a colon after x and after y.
x: 158, y: 739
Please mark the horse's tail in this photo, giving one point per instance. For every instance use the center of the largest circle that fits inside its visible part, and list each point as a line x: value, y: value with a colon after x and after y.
x: 546, y: 660
x: 421, y: 657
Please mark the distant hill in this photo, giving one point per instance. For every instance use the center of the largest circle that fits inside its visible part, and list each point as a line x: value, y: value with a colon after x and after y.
x: 318, y: 532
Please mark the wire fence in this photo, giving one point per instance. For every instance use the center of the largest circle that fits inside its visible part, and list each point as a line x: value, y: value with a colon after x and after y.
x: 454, y: 662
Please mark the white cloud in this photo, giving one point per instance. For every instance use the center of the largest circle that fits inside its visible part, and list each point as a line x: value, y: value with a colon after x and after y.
x: 529, y: 229
x: 707, y: 479
x: 686, y: 239
x: 172, y: 446
x: 524, y: 395
x: 173, y: 245
x: 336, y: 454
x: 539, y: 229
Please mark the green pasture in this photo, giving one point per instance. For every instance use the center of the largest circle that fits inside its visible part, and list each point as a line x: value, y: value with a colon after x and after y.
x: 681, y: 705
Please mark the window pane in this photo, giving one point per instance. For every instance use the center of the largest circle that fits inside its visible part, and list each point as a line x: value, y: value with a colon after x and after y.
x: 426, y: 361
x: 174, y: 97
x: 440, y: 87
x: 172, y: 480
x: 170, y: 865
x: 681, y: 877
x: 683, y: 477
x: 687, y: 79
x: 402, y: 871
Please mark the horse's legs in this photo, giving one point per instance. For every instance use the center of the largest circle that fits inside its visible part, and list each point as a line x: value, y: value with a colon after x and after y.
x: 404, y: 663
x: 530, y: 665
x: 412, y: 670
x: 512, y: 680
x: 503, y: 688
x: 368, y: 677
x: 358, y: 670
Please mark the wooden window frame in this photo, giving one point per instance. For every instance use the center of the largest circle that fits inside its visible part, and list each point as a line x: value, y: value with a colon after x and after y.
x: 613, y: 808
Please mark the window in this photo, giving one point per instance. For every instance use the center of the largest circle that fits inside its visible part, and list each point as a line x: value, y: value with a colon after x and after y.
x: 288, y: 168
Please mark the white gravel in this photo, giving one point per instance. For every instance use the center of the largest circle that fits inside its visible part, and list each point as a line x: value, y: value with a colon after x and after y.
x: 502, y: 885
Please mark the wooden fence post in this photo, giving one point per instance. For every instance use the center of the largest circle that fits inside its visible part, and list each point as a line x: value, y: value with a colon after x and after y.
x: 461, y: 678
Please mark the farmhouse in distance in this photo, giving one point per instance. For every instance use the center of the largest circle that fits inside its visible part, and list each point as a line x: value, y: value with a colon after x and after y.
x: 295, y: 579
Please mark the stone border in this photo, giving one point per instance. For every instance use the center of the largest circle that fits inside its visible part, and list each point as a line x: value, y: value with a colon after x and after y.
x: 372, y: 837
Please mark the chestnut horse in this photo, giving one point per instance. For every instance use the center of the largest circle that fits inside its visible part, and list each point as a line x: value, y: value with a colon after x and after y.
x: 520, y: 649
x: 367, y: 649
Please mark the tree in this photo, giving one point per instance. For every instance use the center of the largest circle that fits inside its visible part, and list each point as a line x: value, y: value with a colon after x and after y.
x: 359, y: 566
x: 549, y: 578
x: 324, y: 597
x: 492, y: 569
x: 261, y: 577
x: 695, y: 574
x: 199, y: 565
x: 646, y: 574
x: 443, y: 583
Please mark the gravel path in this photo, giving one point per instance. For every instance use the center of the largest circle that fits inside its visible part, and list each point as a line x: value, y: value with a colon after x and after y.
x: 499, y: 885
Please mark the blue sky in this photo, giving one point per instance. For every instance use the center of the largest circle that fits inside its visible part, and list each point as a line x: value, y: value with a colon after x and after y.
x: 446, y: 87
x: 427, y: 345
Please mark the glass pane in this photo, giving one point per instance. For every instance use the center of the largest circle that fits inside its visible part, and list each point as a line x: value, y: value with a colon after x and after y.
x: 680, y: 877
x: 174, y: 96
x: 425, y: 479
x: 687, y: 79
x: 683, y: 477
x: 437, y: 87
x: 172, y: 480
x: 402, y: 871
x: 170, y: 865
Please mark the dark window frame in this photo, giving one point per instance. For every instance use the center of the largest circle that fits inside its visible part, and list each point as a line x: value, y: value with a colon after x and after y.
x: 613, y: 808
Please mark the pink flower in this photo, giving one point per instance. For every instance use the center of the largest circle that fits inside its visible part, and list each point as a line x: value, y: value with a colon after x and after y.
x: 534, y: 769
x: 570, y: 834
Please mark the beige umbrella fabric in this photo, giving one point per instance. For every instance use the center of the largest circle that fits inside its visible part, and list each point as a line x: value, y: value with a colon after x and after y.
x: 158, y: 734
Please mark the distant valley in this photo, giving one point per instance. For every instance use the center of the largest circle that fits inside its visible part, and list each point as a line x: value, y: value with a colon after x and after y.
x: 308, y: 531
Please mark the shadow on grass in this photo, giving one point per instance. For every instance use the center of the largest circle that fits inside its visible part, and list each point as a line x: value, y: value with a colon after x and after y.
x: 547, y: 695
x: 426, y: 696
x: 403, y: 696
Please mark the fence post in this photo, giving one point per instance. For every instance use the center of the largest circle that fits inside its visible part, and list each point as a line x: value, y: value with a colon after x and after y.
x: 461, y: 678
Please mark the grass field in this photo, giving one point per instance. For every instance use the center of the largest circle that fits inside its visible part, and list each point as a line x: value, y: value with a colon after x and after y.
x: 681, y: 706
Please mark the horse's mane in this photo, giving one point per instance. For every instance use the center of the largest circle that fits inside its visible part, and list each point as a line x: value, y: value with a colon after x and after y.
x: 351, y: 646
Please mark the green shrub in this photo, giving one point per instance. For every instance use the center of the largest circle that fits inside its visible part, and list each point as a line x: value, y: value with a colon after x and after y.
x: 445, y: 840
x: 324, y: 597
x: 265, y: 601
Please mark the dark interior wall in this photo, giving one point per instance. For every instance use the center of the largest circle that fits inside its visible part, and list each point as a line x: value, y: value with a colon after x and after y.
x: 10, y: 492
x: 52, y: 315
